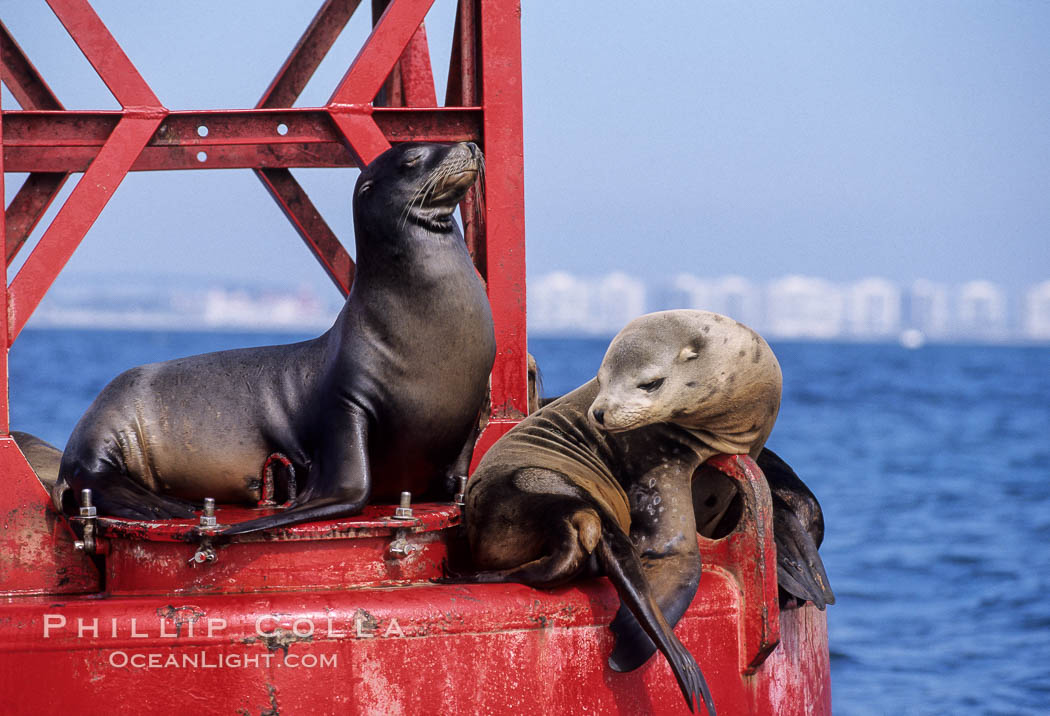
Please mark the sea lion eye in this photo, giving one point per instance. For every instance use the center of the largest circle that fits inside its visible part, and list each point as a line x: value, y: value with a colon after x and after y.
x: 364, y: 188
x: 411, y: 161
x: 651, y: 385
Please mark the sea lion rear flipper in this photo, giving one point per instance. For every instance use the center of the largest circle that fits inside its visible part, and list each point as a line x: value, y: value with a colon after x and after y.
x: 340, y: 482
x: 798, y: 529
x: 800, y: 571
x: 42, y: 456
x: 633, y: 646
x: 622, y: 566
x: 114, y: 494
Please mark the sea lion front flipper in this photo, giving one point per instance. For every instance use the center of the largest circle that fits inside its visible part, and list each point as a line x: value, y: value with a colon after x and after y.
x: 621, y: 564
x: 339, y: 483
x: 662, y: 529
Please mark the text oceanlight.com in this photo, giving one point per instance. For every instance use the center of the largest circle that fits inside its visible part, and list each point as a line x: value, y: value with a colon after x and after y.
x: 204, y: 660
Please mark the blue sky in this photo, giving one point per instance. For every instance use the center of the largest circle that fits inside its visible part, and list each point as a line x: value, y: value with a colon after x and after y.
x: 843, y: 140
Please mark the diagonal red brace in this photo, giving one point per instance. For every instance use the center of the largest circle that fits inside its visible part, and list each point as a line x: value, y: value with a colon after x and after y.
x: 74, y: 219
x: 105, y: 55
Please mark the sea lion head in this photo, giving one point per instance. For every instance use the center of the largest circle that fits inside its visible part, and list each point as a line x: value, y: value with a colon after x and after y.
x: 695, y: 369
x: 415, y: 183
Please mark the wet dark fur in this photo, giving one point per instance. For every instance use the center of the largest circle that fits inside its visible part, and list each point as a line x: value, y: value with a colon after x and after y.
x: 392, y: 390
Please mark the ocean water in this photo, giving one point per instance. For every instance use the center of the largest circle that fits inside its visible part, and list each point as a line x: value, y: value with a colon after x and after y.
x: 932, y: 466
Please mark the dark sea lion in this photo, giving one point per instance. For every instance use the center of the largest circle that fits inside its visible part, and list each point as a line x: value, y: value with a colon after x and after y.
x: 384, y: 401
x: 599, y: 481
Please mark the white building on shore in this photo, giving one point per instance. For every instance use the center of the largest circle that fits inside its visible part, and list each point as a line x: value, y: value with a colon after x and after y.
x: 558, y: 303
x: 1037, y: 312
x: 873, y: 309
x: 804, y: 307
x: 618, y: 299
x: 981, y: 311
x: 929, y: 311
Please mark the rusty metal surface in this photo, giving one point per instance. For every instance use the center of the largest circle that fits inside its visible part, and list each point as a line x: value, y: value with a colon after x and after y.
x: 36, y: 546
x: 413, y: 649
x: 22, y: 78
x: 236, y: 139
x: 331, y: 600
x: 750, y: 556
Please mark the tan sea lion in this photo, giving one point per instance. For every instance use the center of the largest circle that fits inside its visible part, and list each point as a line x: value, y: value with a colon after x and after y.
x: 797, y: 517
x: 599, y: 481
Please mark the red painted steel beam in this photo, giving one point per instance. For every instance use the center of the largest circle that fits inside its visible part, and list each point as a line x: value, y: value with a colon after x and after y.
x: 290, y: 196
x: 308, y: 53
x: 383, y: 48
x: 349, y: 104
x: 237, y: 139
x: 363, y: 137
x: 105, y: 55
x: 28, y: 207
x: 75, y: 218
x: 316, y: 234
x: 417, y: 77
x: 39, y: 188
x: 5, y: 314
x: 504, y: 201
x: 461, y: 89
x: 22, y: 78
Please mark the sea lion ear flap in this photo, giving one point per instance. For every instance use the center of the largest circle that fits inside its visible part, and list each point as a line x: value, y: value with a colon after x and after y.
x: 691, y: 351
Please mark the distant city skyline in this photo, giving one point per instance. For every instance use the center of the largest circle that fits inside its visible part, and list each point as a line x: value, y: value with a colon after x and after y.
x: 800, y: 307
x: 564, y: 304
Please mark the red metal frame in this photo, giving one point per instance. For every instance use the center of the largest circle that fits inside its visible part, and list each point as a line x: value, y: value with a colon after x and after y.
x: 386, y: 95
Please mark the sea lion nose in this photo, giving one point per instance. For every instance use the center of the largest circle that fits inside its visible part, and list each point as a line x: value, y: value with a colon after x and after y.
x: 473, y: 150
x: 599, y: 416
